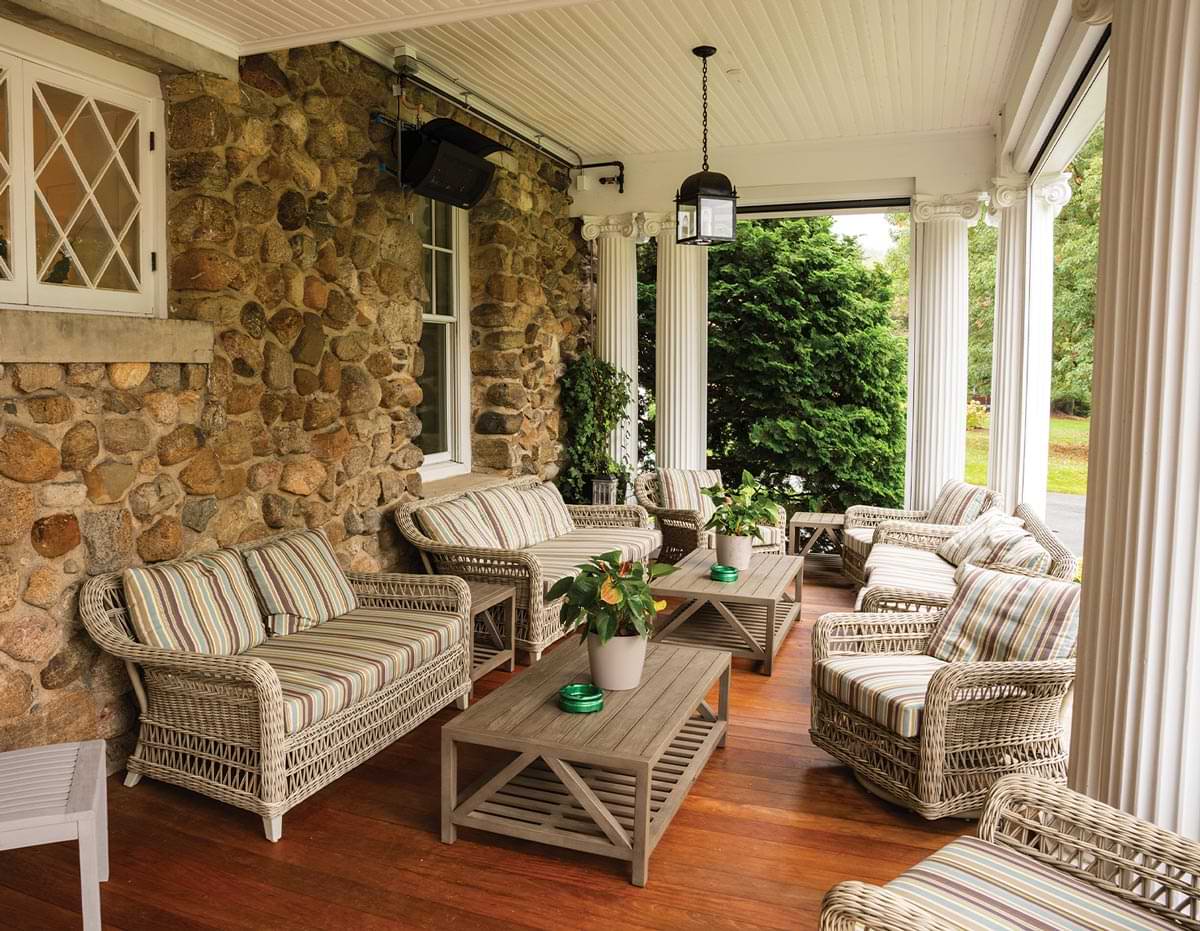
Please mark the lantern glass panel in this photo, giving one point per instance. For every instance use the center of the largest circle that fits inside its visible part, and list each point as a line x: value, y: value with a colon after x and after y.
x: 716, y: 218
x: 685, y: 222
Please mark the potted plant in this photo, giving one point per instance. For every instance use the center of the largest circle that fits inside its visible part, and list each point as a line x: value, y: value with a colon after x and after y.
x: 610, y: 600
x: 739, y: 513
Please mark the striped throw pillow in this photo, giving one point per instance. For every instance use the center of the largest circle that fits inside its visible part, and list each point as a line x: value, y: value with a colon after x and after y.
x: 957, y: 503
x: 977, y: 537
x: 1021, y: 551
x: 460, y: 522
x: 201, y: 605
x: 299, y: 582
x: 1002, y: 617
x: 522, y: 517
x: 682, y: 490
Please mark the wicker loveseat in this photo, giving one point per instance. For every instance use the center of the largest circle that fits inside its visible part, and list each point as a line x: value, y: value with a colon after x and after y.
x: 683, y: 526
x: 475, y: 536
x: 858, y: 534
x: 1043, y: 857
x: 264, y: 728
x: 905, y: 573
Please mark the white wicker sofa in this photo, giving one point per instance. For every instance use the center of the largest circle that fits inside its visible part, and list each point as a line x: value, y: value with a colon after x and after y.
x: 262, y: 722
x: 521, y: 533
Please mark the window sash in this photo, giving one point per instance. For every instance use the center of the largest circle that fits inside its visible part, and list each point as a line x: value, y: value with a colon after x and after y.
x: 12, y: 288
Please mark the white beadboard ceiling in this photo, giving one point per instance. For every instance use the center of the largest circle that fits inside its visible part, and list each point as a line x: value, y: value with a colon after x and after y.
x: 616, y: 77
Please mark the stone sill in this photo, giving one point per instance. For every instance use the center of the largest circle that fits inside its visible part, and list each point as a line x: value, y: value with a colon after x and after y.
x: 48, y: 336
x: 460, y: 484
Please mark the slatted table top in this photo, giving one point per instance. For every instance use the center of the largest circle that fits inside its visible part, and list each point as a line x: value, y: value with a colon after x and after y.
x: 767, y: 579
x: 47, y: 785
x: 634, y: 725
x: 816, y: 519
x: 486, y: 595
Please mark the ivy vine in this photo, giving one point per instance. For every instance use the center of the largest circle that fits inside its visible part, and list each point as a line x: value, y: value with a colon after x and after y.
x: 595, y: 395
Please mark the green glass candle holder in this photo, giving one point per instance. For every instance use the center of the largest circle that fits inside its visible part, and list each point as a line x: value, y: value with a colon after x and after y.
x: 580, y: 698
x: 719, y: 573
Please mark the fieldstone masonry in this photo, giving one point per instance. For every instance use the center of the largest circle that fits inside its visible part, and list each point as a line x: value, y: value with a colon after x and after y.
x: 303, y: 257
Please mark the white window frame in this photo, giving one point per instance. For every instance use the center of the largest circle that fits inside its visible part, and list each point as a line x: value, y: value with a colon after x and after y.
x: 456, y: 461
x: 30, y: 57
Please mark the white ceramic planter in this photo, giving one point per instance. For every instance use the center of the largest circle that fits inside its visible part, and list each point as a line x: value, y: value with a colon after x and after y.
x: 734, y: 551
x: 617, y: 665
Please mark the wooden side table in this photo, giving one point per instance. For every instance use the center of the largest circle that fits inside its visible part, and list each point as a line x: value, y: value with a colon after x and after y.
x: 58, y: 793
x: 821, y: 525
x: 492, y: 638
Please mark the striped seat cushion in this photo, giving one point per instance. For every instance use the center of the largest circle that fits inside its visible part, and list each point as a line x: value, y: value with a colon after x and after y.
x: 858, y: 539
x: 526, y: 515
x: 1002, y: 616
x: 682, y: 490
x: 978, y: 537
x: 559, y: 557
x: 771, y: 536
x: 957, y: 503
x: 887, y: 688
x: 338, y: 664
x: 903, y: 568
x: 204, y: 604
x: 460, y: 522
x: 1018, y: 550
x: 299, y: 582
x: 978, y: 886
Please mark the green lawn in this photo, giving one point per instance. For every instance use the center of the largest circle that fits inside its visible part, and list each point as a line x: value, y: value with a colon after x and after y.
x: 1068, y: 455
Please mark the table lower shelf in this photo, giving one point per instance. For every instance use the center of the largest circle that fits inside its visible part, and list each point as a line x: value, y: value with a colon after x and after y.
x: 709, y: 629
x: 486, y: 656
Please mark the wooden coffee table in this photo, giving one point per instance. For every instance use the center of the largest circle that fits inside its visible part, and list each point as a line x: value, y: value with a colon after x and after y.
x: 492, y: 639
x: 820, y: 525
x: 606, y: 783
x: 748, y: 618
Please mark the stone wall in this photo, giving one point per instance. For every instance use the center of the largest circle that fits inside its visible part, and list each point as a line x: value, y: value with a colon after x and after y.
x: 302, y: 255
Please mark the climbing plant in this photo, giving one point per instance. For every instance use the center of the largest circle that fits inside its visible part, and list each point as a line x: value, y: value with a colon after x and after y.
x: 595, y: 395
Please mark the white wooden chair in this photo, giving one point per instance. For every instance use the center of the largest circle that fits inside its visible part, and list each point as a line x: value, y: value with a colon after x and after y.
x: 57, y: 793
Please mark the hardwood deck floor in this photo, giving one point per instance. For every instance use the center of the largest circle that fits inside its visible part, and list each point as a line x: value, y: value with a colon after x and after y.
x: 770, y: 825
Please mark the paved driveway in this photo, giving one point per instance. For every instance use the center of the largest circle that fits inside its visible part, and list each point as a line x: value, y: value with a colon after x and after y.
x: 1064, y: 514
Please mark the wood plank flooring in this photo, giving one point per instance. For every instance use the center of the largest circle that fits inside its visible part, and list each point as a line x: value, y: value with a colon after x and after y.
x: 769, y: 826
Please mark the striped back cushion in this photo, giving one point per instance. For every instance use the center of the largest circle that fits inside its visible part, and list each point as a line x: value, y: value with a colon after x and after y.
x: 957, y: 503
x: 1020, y: 550
x: 201, y: 605
x: 1001, y: 617
x: 682, y: 490
x: 299, y: 582
x: 977, y: 537
x: 460, y: 522
x: 524, y: 516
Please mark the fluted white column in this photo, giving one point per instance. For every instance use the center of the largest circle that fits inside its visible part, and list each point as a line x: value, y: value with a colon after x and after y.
x: 1023, y: 335
x: 1136, y: 735
x: 937, y: 345
x: 681, y: 389
x: 616, y: 315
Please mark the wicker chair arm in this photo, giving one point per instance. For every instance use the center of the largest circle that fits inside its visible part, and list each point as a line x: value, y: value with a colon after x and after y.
x: 1149, y: 867
x: 914, y: 534
x: 442, y: 593
x: 862, y: 515
x: 679, y: 517
x: 859, y: 906
x: 849, y: 633
x: 609, y: 515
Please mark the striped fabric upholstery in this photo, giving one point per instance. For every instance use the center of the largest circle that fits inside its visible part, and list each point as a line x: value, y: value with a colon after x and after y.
x: 204, y: 604
x: 343, y: 661
x: 521, y: 517
x: 859, y: 539
x: 559, y: 557
x: 887, y: 688
x: 771, y: 535
x: 902, y: 567
x: 1001, y: 616
x: 978, y: 536
x: 460, y: 522
x: 299, y: 582
x: 957, y: 503
x: 1021, y: 551
x: 681, y: 490
x: 978, y: 886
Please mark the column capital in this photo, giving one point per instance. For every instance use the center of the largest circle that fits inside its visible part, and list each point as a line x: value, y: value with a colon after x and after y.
x: 1006, y: 192
x: 615, y: 225
x: 656, y: 223
x: 927, y: 208
x: 1093, y: 12
x: 1054, y: 191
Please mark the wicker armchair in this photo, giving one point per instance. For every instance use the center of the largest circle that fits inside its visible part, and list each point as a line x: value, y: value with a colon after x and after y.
x: 1109, y: 861
x: 862, y: 518
x: 894, y: 595
x: 537, y: 620
x: 980, y: 720
x: 215, y: 724
x: 683, y: 530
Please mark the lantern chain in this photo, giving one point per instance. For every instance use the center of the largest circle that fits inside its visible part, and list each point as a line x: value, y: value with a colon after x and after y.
x: 704, y: 105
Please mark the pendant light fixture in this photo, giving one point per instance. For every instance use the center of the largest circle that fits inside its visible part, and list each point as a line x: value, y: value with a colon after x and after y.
x: 706, y: 204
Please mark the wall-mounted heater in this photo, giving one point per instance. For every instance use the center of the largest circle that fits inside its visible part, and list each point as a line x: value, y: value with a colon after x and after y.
x: 446, y: 161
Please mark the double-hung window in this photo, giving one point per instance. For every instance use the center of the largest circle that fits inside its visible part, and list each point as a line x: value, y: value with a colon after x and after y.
x: 444, y: 410
x: 80, y: 188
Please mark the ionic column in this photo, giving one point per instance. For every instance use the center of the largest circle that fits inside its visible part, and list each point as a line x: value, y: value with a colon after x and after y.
x: 937, y: 345
x: 1023, y: 335
x: 616, y: 315
x: 681, y: 386
x: 1137, y: 701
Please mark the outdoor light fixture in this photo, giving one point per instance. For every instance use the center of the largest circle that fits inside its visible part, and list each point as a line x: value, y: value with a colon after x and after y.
x: 706, y: 204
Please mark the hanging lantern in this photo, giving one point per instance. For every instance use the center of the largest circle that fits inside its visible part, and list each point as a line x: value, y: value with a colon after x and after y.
x: 706, y: 204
